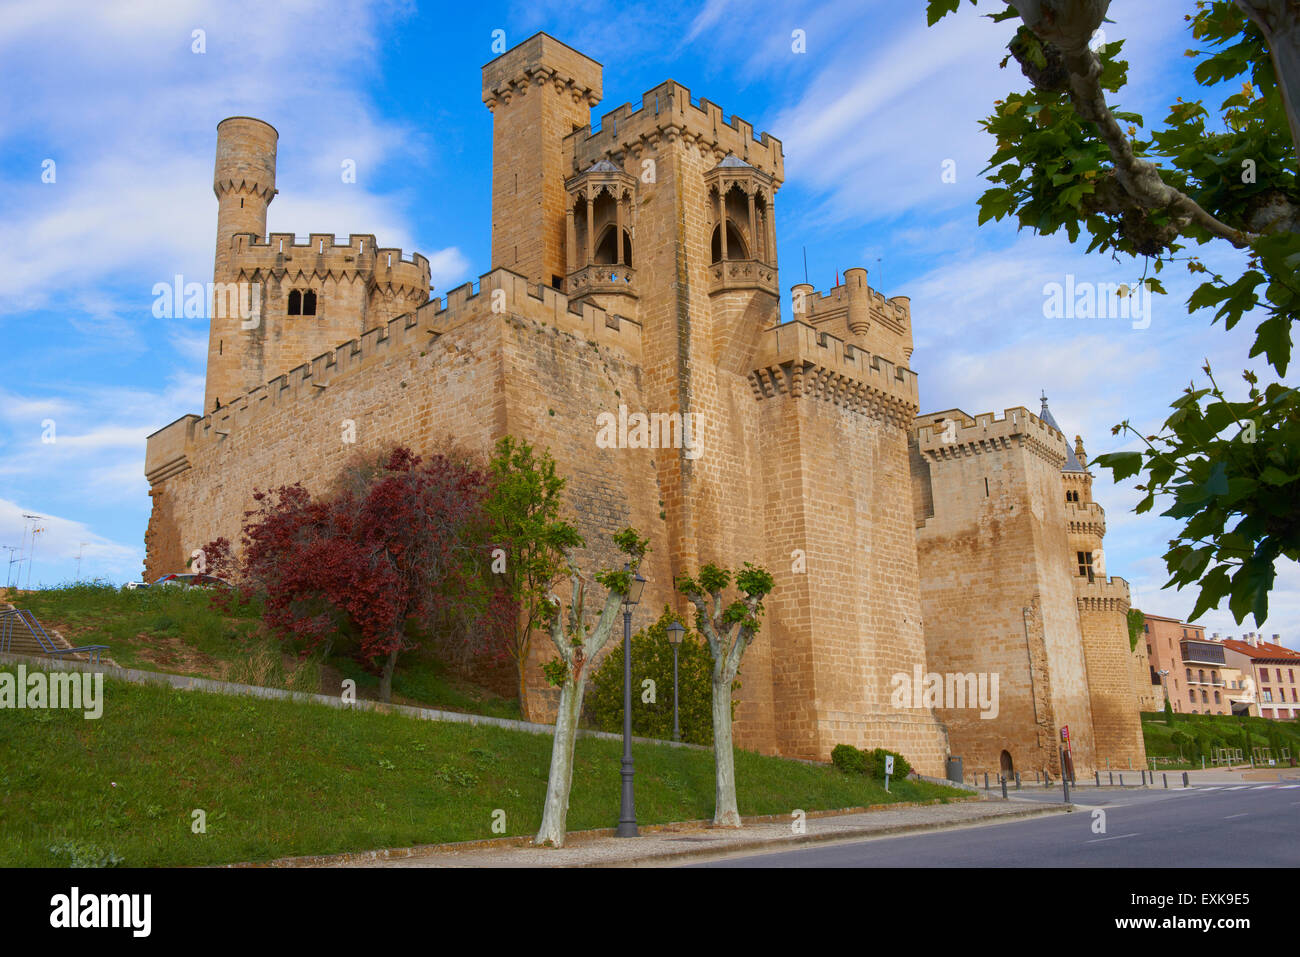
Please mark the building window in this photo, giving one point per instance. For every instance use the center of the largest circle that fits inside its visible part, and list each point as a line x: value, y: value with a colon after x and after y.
x: 295, y: 303
x: 1214, y: 677
x: 1216, y: 698
x: 1189, y: 675
x: 1085, y: 564
x: 1205, y: 698
x: 309, y: 303
x: 1266, y: 695
x: 736, y: 248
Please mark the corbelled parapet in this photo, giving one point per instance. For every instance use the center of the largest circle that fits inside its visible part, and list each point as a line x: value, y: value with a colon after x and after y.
x: 953, y: 433
x: 667, y: 112
x: 1102, y: 594
x: 324, y: 257
x: 798, y: 360
x: 500, y: 293
x: 1085, y: 518
x: 541, y: 61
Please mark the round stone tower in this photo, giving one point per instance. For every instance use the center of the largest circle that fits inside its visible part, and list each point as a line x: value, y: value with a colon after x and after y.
x: 244, y: 182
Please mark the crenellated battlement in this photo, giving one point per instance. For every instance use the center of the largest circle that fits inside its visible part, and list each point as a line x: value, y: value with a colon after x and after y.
x: 845, y: 302
x: 323, y: 256
x: 499, y: 292
x: 987, y: 433
x: 1102, y: 594
x: 797, y: 359
x: 668, y: 113
x: 1085, y: 518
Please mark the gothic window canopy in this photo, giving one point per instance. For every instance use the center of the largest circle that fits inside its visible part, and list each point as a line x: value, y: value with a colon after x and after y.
x: 742, y: 229
x: 599, y: 229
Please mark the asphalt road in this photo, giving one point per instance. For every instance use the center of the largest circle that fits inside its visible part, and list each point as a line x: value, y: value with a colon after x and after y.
x: 1250, y: 825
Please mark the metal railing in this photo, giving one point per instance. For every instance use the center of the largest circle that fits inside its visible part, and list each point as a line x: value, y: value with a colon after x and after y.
x: 11, y: 617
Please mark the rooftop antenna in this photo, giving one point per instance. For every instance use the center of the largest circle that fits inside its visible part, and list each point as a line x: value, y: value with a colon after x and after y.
x: 805, y: 265
x: 36, y: 530
x: 9, y: 571
x: 80, y: 546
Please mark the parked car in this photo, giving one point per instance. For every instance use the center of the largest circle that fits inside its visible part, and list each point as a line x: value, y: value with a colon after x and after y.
x: 134, y: 586
x: 191, y: 580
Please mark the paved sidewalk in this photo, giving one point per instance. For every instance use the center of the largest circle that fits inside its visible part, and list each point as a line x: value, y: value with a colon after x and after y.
x: 672, y: 843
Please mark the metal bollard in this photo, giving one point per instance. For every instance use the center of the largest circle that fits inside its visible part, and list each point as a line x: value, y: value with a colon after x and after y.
x: 1144, y: 777
x: 986, y: 780
x: 1004, y: 786
x: 1121, y: 779
x: 1184, y: 779
x: 1065, y: 784
x: 1017, y: 780
x: 1097, y: 775
x: 1166, y: 778
x: 1112, y: 778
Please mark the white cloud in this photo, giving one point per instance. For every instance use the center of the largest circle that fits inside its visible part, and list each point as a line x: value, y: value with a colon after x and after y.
x: 58, y: 543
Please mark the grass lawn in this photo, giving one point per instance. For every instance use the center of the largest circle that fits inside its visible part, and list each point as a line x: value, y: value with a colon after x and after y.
x: 178, y: 631
x: 279, y: 778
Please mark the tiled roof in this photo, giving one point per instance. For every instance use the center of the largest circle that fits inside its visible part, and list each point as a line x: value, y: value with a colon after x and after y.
x: 1264, y: 650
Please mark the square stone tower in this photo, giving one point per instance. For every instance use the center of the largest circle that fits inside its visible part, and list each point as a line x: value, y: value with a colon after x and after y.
x: 665, y: 215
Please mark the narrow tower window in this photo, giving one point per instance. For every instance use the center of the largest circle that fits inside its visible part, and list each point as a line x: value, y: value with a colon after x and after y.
x: 295, y: 303
x: 309, y: 303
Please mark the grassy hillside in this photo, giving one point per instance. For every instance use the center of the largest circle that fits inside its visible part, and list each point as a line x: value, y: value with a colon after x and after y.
x: 178, y: 631
x: 278, y: 778
x: 1199, y: 734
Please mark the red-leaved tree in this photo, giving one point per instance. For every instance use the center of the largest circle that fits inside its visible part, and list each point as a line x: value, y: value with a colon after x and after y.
x: 396, y: 541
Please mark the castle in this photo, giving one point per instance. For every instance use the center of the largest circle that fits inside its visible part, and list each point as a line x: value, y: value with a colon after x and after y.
x: 635, y: 274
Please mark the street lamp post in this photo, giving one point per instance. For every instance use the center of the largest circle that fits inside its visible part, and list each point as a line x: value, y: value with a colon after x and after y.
x: 675, y: 631
x: 627, y: 806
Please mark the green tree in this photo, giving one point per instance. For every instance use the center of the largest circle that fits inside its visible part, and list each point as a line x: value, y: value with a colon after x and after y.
x: 523, y: 516
x: 652, y: 658
x: 1066, y: 158
x: 577, y: 644
x: 729, y: 629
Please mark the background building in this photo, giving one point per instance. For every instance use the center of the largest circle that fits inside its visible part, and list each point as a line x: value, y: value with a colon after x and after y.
x: 1273, y: 670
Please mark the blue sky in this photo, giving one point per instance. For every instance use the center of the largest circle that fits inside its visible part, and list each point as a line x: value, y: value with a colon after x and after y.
x: 114, y: 94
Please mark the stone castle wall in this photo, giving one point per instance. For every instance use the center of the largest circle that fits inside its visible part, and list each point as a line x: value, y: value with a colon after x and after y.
x: 996, y: 594
x: 1103, y: 607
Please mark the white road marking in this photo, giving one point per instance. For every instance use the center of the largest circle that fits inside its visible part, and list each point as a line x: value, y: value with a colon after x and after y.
x: 1098, y: 840
x: 1239, y: 787
x: 1215, y: 788
x: 1231, y: 816
x: 1288, y: 787
x: 1263, y: 787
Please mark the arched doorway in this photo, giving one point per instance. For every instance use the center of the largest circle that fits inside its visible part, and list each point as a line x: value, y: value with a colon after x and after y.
x: 1008, y: 768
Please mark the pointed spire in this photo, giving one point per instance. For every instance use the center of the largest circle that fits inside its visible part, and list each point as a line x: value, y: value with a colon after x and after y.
x: 1073, y: 460
x: 1079, y: 453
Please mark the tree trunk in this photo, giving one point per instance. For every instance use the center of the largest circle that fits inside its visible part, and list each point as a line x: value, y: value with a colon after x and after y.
x: 523, y: 691
x: 556, y: 810
x: 386, y: 678
x: 1277, y: 20
x: 725, y: 813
